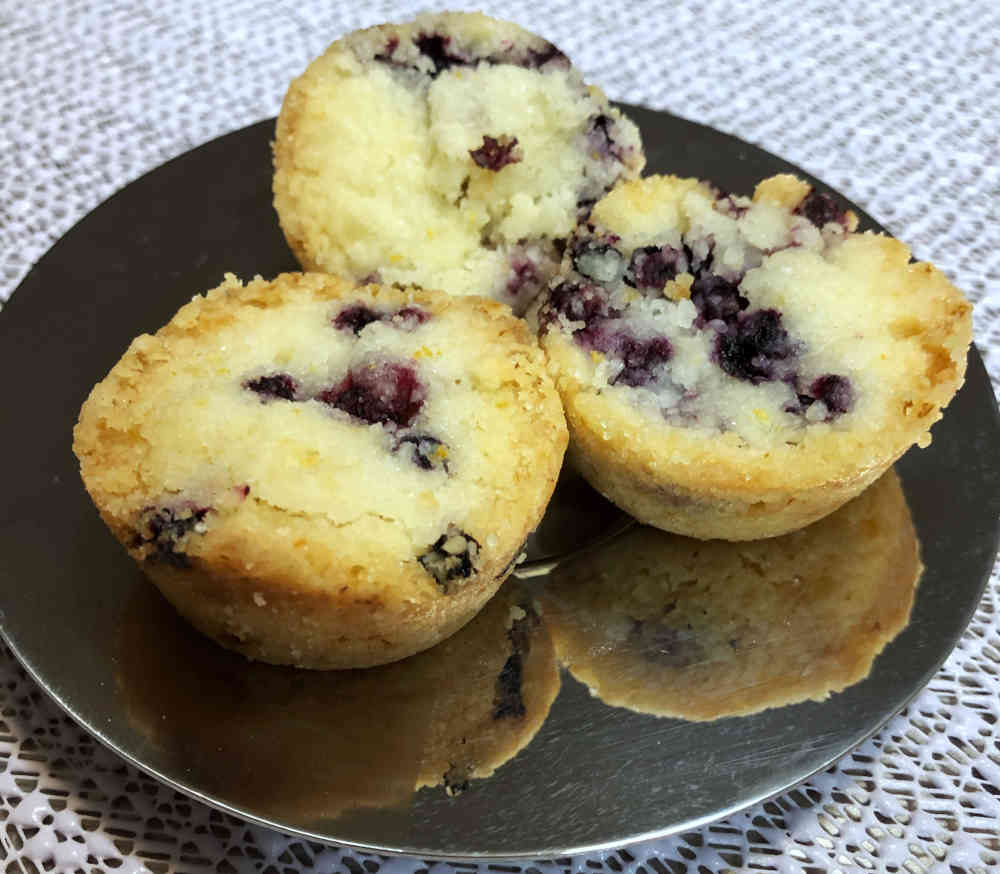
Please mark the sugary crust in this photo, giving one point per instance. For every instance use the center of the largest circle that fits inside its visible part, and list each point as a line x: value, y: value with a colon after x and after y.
x: 716, y: 484
x: 702, y: 630
x: 400, y: 196
x: 329, y: 579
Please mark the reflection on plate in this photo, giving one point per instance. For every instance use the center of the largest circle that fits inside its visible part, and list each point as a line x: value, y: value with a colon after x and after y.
x: 315, y: 743
x: 593, y: 776
x: 650, y: 621
x: 696, y: 629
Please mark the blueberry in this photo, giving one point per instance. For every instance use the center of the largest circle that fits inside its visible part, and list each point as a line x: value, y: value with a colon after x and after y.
x: 549, y: 54
x: 600, y: 138
x: 453, y: 556
x: 668, y: 646
x: 427, y: 453
x: 834, y: 391
x: 390, y: 49
x: 652, y: 266
x: 508, y: 701
x: 752, y: 346
x: 699, y: 265
x: 276, y: 385
x: 166, y: 529
x: 821, y: 209
x: 578, y: 302
x: 525, y: 279
x: 355, y: 318
x: 497, y: 152
x: 716, y: 298
x: 601, y: 262
x: 642, y: 358
x: 602, y: 332
x: 386, y: 393
x: 801, y: 404
x: 435, y: 47
x: 444, y: 55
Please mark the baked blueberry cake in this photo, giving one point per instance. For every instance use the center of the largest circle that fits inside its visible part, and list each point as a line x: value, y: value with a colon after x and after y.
x: 323, y: 474
x: 739, y: 367
x: 313, y: 744
x: 454, y: 151
x: 699, y: 629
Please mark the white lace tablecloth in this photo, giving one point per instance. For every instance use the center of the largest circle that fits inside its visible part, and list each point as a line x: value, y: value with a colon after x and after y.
x: 896, y: 104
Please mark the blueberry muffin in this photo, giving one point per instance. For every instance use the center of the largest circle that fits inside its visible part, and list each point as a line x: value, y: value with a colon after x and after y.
x: 454, y: 151
x: 737, y: 367
x: 320, y: 474
x: 696, y: 629
x: 303, y: 746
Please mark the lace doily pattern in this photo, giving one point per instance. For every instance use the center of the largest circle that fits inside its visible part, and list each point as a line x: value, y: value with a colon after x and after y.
x: 895, y: 105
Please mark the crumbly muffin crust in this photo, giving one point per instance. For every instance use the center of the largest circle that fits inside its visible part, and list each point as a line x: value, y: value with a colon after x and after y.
x: 322, y: 474
x: 453, y: 151
x: 737, y: 368
x: 672, y: 626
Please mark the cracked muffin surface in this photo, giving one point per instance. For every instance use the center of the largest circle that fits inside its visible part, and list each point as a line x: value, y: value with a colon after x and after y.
x: 454, y: 151
x: 323, y: 474
x: 737, y: 367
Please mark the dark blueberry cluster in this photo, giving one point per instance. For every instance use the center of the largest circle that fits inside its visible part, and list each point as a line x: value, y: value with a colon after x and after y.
x: 526, y: 280
x: 755, y: 347
x: 642, y: 358
x: 451, y: 558
x: 751, y: 345
x: 508, y: 700
x: 600, y: 138
x: 833, y: 390
x: 437, y: 47
x: 716, y: 299
x: 496, y: 152
x: 356, y: 317
x: 578, y: 302
x: 384, y: 393
x: 821, y: 209
x: 443, y: 52
x: 165, y: 529
x: 274, y: 385
x: 651, y: 267
x: 427, y: 453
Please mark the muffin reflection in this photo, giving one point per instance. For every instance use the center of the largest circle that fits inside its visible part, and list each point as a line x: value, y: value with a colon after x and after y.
x: 301, y: 746
x: 671, y: 626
